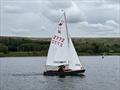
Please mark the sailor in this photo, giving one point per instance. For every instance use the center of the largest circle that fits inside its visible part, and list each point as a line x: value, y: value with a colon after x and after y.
x: 61, y: 68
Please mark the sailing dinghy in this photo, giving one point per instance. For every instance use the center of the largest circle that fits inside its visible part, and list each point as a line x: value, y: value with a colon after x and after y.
x: 62, y: 52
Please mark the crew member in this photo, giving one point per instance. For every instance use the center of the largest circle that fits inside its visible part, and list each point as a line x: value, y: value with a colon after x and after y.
x: 61, y: 68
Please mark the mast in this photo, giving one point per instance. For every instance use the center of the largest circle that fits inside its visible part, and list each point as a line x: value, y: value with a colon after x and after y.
x: 66, y: 27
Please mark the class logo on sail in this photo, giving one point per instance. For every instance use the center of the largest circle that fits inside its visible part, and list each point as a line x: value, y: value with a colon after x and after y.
x: 60, y: 24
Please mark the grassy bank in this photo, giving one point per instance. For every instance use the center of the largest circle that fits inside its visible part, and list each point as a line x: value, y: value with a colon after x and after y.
x: 16, y: 46
x: 23, y: 54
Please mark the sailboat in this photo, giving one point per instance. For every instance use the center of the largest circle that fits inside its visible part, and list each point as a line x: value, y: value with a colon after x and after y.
x: 62, y: 52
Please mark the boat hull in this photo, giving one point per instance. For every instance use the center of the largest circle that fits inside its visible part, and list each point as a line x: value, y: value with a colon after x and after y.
x: 65, y: 73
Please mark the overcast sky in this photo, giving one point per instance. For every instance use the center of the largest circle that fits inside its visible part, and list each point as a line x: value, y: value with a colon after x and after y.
x: 38, y: 18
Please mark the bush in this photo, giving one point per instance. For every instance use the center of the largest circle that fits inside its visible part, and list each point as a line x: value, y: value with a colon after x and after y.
x: 3, y: 48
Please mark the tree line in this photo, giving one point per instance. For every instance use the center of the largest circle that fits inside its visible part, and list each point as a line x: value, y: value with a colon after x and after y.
x: 39, y: 47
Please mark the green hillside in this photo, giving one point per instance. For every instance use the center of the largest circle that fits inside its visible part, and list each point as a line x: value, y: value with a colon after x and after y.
x: 17, y: 46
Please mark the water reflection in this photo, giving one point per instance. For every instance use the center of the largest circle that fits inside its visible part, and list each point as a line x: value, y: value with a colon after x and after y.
x: 74, y: 75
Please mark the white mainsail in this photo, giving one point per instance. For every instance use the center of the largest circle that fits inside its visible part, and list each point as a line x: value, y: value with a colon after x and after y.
x: 58, y: 50
x: 61, y: 50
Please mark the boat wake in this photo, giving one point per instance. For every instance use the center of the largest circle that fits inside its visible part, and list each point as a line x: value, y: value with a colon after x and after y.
x: 40, y: 74
x: 23, y: 74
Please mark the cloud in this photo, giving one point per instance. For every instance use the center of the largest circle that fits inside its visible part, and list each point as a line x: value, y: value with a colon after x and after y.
x: 86, y: 17
x: 112, y: 23
x: 97, y: 2
x: 19, y: 31
x: 57, y: 4
x: 113, y: 1
x: 43, y: 28
x: 13, y: 9
x: 109, y: 28
x: 99, y: 11
x: 52, y: 10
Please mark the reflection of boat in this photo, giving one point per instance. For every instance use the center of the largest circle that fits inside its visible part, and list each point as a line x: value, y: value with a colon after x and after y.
x: 62, y: 52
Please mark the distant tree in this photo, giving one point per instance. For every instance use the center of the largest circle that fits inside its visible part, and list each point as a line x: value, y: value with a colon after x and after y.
x: 33, y: 47
x: 107, y: 48
x: 116, y: 47
x: 96, y: 47
x: 3, y: 48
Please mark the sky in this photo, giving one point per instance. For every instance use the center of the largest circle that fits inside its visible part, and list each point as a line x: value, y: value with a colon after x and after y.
x: 38, y: 18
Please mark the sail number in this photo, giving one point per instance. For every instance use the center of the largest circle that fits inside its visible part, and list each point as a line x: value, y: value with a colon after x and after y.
x: 57, y: 40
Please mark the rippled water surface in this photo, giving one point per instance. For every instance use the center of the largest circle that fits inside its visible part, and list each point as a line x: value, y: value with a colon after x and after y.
x: 25, y: 73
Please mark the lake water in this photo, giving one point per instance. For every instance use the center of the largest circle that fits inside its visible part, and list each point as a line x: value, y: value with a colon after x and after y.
x: 25, y: 73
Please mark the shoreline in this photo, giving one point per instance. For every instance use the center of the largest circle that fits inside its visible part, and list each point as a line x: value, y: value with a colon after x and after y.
x: 39, y: 54
x: 46, y: 56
